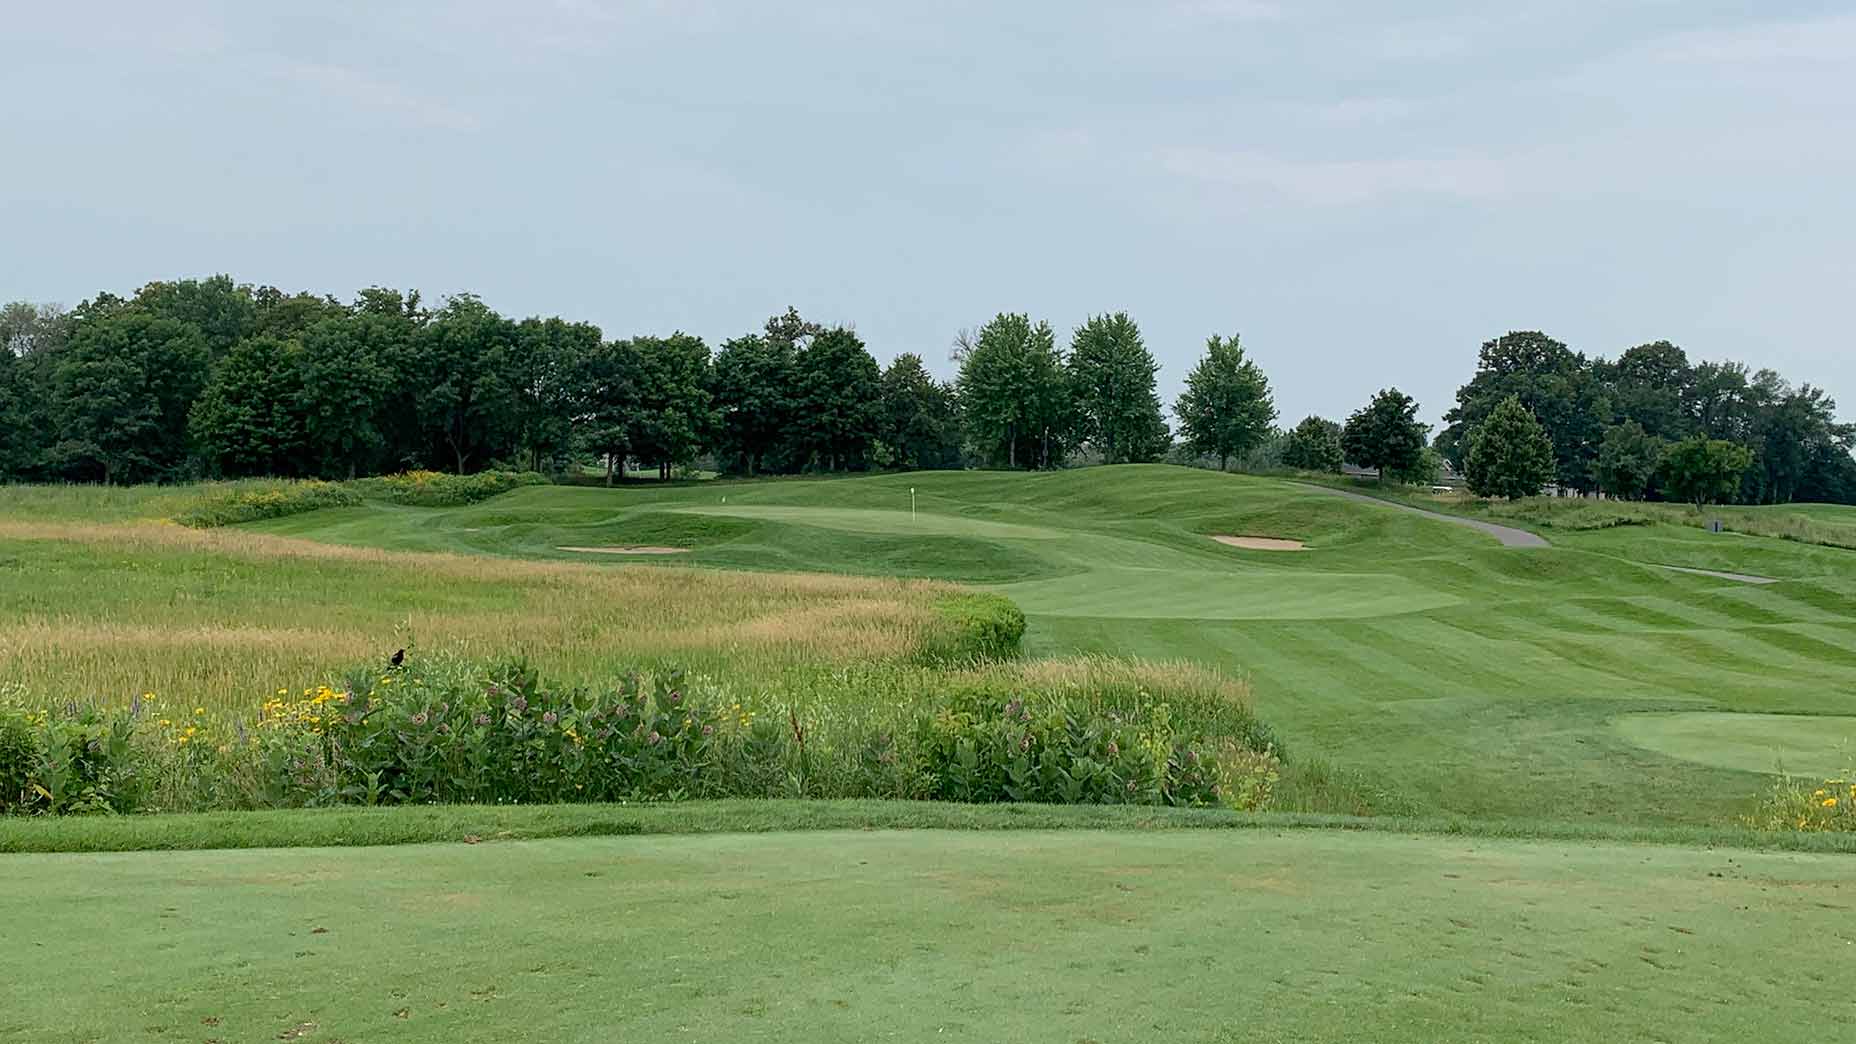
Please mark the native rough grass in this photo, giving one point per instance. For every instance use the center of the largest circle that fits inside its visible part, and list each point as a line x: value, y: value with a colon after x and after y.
x: 104, y: 612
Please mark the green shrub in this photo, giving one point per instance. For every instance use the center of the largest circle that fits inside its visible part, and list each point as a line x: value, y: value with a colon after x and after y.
x: 444, y: 729
x: 438, y: 489
x: 250, y: 502
x: 19, y: 754
x: 1048, y: 749
x: 411, y: 737
x: 980, y: 627
x: 58, y: 764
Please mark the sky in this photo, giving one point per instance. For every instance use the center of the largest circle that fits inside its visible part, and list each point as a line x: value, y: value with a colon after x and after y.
x: 1364, y: 191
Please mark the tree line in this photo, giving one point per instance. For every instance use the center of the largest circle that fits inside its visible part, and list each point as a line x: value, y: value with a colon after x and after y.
x: 214, y: 378
x: 1647, y: 425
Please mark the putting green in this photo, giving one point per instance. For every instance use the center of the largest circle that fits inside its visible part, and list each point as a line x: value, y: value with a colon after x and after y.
x: 868, y: 520
x: 1800, y: 744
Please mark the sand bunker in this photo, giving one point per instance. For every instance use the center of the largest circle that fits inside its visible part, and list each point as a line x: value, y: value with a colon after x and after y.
x: 629, y: 549
x: 1260, y: 543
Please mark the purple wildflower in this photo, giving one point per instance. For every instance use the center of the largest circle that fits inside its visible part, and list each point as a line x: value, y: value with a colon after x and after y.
x: 1113, y: 749
x: 653, y: 738
x: 675, y: 696
x: 520, y: 703
x: 444, y: 729
x: 549, y: 718
x: 419, y: 718
x: 483, y: 719
x: 708, y: 730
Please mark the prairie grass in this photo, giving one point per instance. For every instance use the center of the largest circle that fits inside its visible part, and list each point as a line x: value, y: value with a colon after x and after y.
x: 103, y: 612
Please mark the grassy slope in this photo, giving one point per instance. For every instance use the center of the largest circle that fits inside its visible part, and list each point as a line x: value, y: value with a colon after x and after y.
x: 1473, y: 679
x: 1024, y: 936
x: 223, y: 618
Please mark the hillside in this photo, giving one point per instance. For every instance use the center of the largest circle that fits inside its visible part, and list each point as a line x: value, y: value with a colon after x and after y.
x: 1461, y: 675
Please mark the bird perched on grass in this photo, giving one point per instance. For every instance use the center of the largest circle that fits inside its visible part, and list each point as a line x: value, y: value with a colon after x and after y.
x: 397, y: 659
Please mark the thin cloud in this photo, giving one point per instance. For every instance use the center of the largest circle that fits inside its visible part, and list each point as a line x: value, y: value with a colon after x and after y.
x: 1343, y: 182
x: 1818, y: 40
x: 368, y: 93
x: 1233, y: 10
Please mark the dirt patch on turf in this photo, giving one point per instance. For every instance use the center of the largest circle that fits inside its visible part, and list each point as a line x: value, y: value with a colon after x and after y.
x: 1255, y: 543
x: 629, y: 549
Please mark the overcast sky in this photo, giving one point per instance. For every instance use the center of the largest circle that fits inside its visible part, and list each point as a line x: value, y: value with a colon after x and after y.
x: 1364, y: 194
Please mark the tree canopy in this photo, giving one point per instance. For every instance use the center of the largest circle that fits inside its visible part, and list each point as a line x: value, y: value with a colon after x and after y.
x: 1314, y: 445
x: 209, y: 377
x: 1385, y: 435
x: 1226, y: 408
x: 1702, y: 471
x: 1510, y: 454
x: 1112, y: 378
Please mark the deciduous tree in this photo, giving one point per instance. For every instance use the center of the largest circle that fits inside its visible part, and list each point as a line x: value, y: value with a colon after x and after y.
x: 1111, y: 375
x: 1385, y: 435
x: 1314, y: 445
x: 1510, y: 454
x: 1226, y: 406
x: 1705, y: 471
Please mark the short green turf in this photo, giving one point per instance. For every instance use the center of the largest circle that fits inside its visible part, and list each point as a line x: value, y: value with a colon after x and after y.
x: 1023, y: 936
x: 1468, y: 678
x: 1796, y: 744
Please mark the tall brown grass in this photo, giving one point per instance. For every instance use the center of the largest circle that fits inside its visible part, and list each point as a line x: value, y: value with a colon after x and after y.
x: 223, y: 617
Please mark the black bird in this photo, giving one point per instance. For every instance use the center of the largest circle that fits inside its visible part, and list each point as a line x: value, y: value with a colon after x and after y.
x: 397, y: 659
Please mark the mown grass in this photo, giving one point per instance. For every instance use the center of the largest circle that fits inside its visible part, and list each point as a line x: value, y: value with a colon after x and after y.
x: 350, y: 827
x: 974, y: 935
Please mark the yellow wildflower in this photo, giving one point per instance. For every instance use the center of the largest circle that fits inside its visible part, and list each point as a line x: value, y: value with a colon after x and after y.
x: 1830, y: 802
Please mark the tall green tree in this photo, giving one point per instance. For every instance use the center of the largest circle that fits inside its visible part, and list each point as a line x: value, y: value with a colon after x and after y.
x: 343, y: 383
x: 18, y: 446
x: 918, y: 418
x: 1314, y: 445
x: 839, y: 397
x: 248, y: 420
x: 280, y: 314
x: 1015, y: 398
x: 28, y: 329
x: 1705, y: 471
x: 1226, y: 407
x: 223, y: 311
x: 1628, y: 460
x: 1386, y: 435
x: 1720, y: 401
x: 674, y: 414
x: 1651, y: 385
x: 756, y: 396
x: 467, y: 408
x: 122, y: 389
x: 1112, y: 383
x: 31, y: 339
x: 1510, y: 454
x: 543, y: 357
x: 607, y: 401
x: 1557, y: 385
